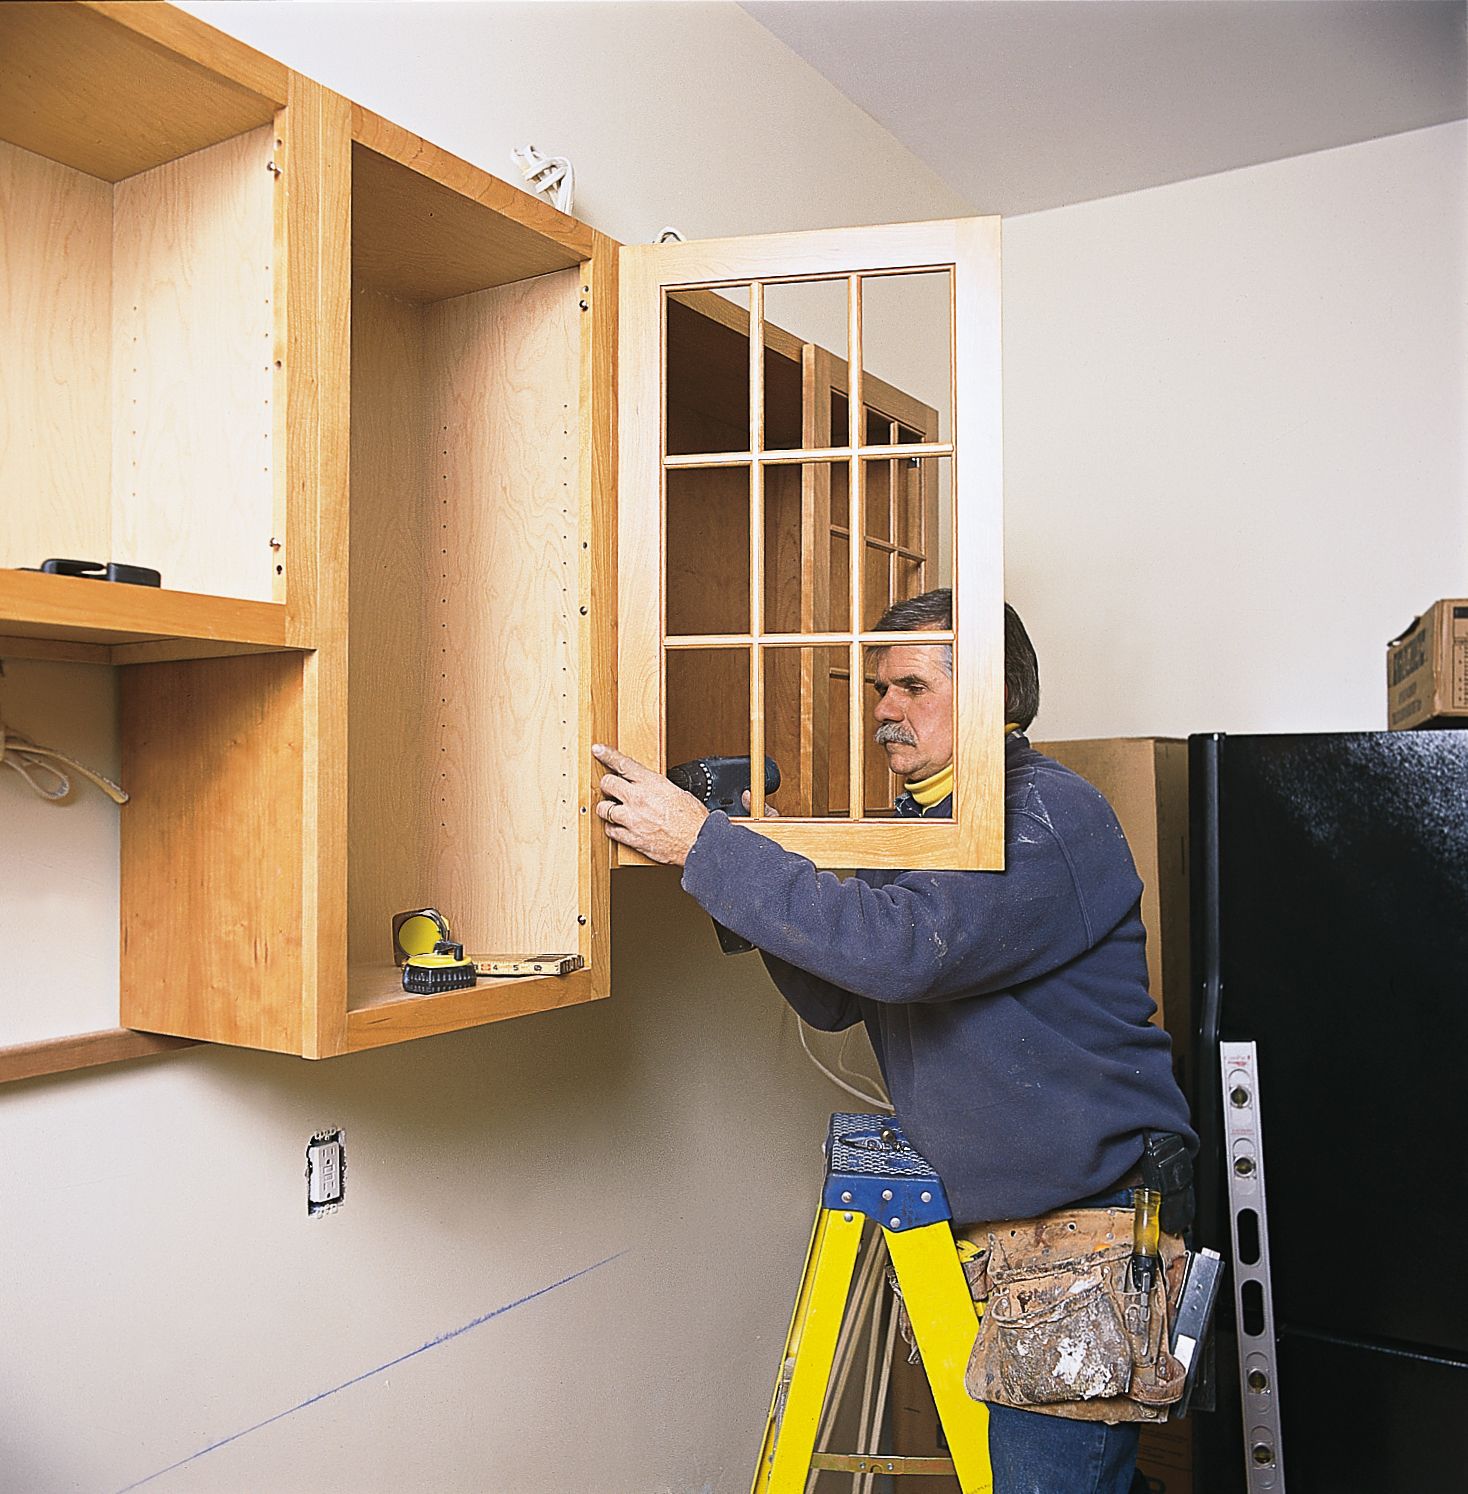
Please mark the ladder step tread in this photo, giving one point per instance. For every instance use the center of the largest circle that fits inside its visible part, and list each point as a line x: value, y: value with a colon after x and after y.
x: 871, y: 1463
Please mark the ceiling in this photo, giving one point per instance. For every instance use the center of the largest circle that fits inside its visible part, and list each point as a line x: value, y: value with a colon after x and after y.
x: 1022, y: 105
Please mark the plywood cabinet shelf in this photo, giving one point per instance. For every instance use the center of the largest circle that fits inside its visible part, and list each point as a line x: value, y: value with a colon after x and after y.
x: 379, y: 1011
x: 44, y: 616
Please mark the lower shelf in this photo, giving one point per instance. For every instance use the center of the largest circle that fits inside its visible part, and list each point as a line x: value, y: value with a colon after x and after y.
x: 379, y: 1011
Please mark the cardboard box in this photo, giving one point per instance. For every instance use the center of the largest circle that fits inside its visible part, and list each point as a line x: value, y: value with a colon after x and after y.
x: 916, y: 1430
x: 1165, y: 1456
x: 1427, y: 669
x: 1145, y: 780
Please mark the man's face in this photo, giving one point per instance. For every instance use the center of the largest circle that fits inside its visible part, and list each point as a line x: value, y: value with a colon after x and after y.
x: 915, y: 709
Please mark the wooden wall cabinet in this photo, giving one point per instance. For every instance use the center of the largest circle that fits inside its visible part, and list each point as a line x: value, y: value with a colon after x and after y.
x: 353, y: 397
x: 359, y: 402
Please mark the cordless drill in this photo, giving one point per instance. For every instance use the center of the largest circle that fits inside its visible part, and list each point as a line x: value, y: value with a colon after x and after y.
x: 721, y: 783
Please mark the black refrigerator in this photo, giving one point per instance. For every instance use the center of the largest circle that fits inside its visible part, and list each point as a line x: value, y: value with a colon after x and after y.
x: 1330, y: 927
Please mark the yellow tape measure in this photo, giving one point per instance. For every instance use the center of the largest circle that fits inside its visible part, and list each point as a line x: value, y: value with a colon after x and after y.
x: 417, y: 931
x: 443, y: 968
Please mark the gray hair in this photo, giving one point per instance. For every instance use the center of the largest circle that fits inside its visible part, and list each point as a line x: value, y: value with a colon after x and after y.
x: 934, y: 609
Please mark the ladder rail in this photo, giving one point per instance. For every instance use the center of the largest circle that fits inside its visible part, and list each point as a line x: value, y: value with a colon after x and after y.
x: 810, y: 1348
x: 945, y: 1323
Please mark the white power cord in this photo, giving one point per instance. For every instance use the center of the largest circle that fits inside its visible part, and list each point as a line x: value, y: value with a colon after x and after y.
x: 851, y: 1089
x: 37, y: 765
x: 551, y: 177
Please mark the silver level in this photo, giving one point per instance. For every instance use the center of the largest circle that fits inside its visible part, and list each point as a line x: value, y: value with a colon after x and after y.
x: 1253, y: 1297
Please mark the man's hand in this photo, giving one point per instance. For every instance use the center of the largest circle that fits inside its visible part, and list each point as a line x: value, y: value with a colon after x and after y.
x: 771, y: 813
x: 642, y: 809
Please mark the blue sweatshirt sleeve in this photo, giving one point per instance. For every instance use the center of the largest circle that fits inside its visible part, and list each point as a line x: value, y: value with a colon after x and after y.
x: 926, y: 936
x: 817, y: 1002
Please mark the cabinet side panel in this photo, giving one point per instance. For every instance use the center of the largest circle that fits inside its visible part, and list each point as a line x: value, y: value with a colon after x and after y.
x: 390, y: 822
x: 193, y: 339
x: 211, y: 867
x: 503, y: 379
x: 315, y: 449
x: 55, y: 299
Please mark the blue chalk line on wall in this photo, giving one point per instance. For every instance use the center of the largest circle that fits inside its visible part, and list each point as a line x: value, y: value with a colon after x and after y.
x: 432, y: 1343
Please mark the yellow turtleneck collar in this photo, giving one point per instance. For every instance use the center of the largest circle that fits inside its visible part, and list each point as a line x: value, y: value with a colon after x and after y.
x: 927, y: 792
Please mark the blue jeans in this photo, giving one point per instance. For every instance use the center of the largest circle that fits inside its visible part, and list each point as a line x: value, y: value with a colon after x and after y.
x: 1035, y: 1454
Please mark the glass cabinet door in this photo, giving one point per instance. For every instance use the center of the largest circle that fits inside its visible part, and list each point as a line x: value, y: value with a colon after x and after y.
x: 810, y: 432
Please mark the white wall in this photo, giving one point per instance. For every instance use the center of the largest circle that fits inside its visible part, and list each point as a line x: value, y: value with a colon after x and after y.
x: 1241, y: 390
x: 1234, y: 425
x: 689, y: 114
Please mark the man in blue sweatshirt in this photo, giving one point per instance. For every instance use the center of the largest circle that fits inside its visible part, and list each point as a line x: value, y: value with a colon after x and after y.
x: 1008, y: 1011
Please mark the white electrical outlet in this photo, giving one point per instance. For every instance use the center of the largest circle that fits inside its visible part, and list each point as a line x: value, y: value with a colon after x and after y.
x: 326, y: 1172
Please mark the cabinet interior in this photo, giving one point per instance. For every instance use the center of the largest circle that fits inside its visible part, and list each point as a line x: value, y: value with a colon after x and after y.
x: 468, y: 742
x: 146, y: 304
x: 110, y: 101
x: 342, y: 390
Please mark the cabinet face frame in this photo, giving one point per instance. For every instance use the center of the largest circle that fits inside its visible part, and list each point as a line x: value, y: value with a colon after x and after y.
x: 969, y: 250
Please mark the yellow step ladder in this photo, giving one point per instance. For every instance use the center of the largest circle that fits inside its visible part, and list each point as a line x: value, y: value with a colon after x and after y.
x: 873, y: 1173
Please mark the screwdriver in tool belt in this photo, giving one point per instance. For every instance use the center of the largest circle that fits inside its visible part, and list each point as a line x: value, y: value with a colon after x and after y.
x: 1147, y: 1207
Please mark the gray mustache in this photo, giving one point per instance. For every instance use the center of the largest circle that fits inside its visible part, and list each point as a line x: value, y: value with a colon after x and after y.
x: 890, y: 731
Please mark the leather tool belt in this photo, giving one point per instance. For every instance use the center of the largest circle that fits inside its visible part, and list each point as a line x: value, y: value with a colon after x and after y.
x: 1063, y: 1331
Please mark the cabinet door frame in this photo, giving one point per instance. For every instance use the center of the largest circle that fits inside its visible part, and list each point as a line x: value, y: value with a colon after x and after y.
x: 969, y: 249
